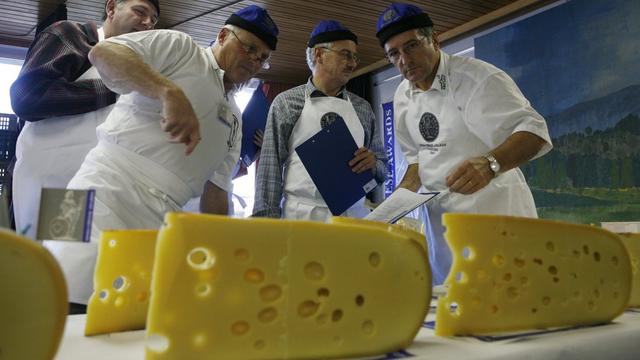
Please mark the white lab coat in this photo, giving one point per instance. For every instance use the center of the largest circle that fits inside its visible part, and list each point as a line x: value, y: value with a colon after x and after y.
x: 137, y: 173
x: 451, y: 122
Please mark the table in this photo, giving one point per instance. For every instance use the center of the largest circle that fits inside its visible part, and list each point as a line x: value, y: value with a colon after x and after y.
x: 617, y: 340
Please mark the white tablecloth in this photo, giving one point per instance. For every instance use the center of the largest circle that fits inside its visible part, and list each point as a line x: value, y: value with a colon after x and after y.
x: 617, y: 340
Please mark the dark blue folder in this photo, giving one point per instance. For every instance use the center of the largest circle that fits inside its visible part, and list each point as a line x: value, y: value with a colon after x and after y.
x: 326, y: 157
x: 254, y: 117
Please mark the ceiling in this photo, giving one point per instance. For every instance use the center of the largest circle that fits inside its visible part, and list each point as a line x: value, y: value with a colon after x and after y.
x: 295, y: 18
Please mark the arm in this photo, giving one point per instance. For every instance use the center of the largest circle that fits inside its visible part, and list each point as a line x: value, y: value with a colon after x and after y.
x: 269, y: 174
x: 122, y: 68
x: 411, y: 179
x: 474, y: 174
x: 509, y: 126
x: 47, y: 85
x: 214, y: 200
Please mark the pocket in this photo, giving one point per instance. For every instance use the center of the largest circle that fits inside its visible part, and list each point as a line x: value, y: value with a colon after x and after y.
x: 166, y: 202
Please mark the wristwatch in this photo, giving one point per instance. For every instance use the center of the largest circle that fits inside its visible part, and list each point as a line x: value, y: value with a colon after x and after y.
x: 494, y: 165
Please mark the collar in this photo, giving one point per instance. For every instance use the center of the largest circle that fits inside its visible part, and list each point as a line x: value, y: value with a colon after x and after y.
x: 100, y: 33
x: 440, y: 81
x: 219, y: 71
x: 314, y: 92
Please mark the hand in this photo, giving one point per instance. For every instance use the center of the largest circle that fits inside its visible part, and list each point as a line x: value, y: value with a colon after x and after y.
x: 363, y: 160
x: 179, y: 120
x: 470, y: 176
x: 258, y: 137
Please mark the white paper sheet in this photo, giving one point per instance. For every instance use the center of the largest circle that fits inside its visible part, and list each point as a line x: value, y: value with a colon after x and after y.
x: 399, y: 204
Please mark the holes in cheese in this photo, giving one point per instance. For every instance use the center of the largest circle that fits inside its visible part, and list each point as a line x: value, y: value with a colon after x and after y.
x: 122, y: 281
x: 529, y: 273
x: 285, y: 289
x: 33, y: 299
x: 632, y: 242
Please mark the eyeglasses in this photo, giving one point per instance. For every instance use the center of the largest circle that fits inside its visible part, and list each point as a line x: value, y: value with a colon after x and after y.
x: 144, y: 12
x: 346, y: 54
x: 393, y: 56
x: 252, y: 52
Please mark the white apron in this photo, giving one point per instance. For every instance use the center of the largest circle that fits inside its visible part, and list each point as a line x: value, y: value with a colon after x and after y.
x: 302, y: 200
x: 49, y: 152
x: 134, y: 193
x: 444, y: 142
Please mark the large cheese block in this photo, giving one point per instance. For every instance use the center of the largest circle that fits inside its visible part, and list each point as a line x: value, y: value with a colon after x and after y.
x: 33, y: 300
x: 632, y: 242
x: 404, y: 229
x: 512, y: 273
x: 122, y: 281
x: 274, y: 289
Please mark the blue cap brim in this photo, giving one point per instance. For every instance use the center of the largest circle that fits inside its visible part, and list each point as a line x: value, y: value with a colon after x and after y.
x: 408, y: 23
x: 269, y: 39
x: 331, y: 36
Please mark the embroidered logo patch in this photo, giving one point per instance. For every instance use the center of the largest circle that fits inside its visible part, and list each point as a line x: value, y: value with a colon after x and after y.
x: 388, y: 16
x: 328, y: 118
x: 429, y: 127
x: 443, y: 82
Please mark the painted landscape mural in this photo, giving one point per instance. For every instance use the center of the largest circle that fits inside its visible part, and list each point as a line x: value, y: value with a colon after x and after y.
x: 579, y: 65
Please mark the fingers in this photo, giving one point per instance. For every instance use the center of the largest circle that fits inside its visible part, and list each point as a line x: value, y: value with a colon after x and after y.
x: 363, y: 160
x: 469, y: 177
x: 187, y: 132
x: 258, y: 138
x: 194, y: 139
x: 167, y: 125
x: 359, y: 155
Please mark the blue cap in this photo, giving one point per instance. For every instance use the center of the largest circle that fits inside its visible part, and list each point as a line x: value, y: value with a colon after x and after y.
x: 330, y: 31
x: 257, y: 21
x: 398, y: 18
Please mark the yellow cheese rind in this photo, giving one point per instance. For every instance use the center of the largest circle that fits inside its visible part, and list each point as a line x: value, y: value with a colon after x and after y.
x: 274, y: 289
x: 632, y: 242
x: 400, y: 229
x: 512, y: 273
x: 122, y: 282
x: 33, y: 300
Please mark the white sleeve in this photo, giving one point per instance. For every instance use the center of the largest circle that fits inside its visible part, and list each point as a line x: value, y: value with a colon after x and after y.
x: 224, y: 173
x: 164, y: 50
x: 403, y: 137
x: 497, y: 109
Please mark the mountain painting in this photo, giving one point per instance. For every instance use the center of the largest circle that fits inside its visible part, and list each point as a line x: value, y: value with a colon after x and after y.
x: 579, y: 65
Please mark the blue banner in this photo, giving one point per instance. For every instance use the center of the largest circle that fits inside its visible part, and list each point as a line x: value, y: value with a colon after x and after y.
x: 389, y: 145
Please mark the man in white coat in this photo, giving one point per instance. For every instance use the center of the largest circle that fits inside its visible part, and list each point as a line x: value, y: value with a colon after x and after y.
x: 463, y: 125
x: 174, y: 132
x: 283, y: 186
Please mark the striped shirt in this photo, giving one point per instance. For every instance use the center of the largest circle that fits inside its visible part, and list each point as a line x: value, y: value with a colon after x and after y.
x: 283, y: 115
x: 46, y: 86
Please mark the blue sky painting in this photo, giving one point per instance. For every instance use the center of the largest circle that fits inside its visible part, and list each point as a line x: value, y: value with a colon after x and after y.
x: 578, y: 51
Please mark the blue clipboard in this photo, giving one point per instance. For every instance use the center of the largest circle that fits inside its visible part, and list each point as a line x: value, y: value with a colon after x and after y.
x: 326, y: 157
x: 254, y: 117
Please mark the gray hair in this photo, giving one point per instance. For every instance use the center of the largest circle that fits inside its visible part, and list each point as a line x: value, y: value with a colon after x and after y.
x: 311, y: 60
x: 228, y: 27
x: 427, y: 32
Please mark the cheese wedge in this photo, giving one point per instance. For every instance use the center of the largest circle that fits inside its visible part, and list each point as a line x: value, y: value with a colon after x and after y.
x: 512, y: 273
x: 632, y: 242
x: 122, y: 282
x: 404, y: 229
x: 33, y: 300
x: 273, y: 289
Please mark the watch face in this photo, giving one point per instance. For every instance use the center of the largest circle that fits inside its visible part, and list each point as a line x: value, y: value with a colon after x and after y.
x: 495, y: 167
